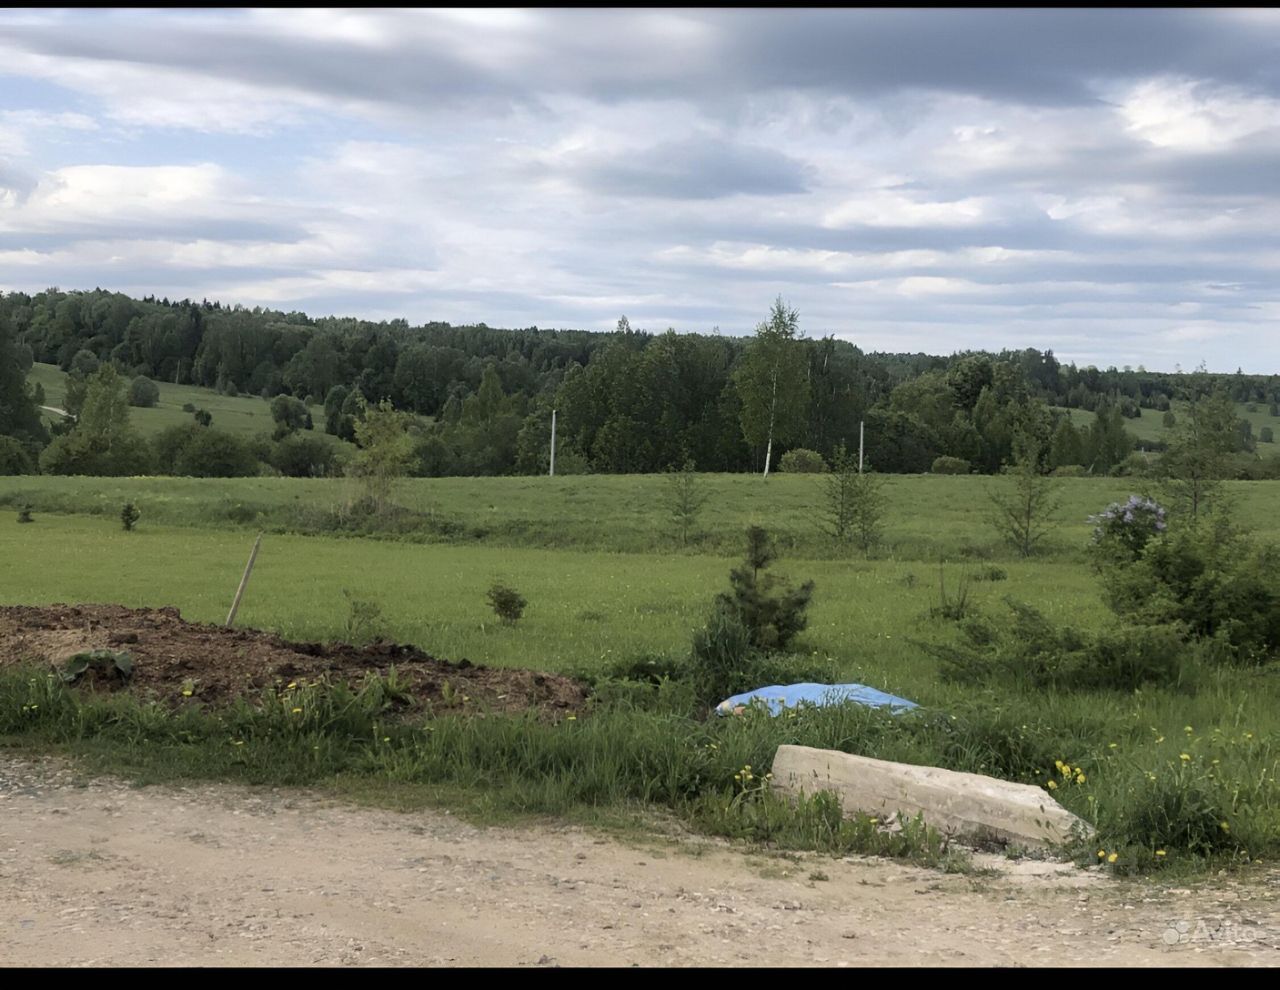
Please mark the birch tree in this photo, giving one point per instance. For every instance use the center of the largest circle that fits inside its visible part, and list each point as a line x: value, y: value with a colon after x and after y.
x: 772, y: 382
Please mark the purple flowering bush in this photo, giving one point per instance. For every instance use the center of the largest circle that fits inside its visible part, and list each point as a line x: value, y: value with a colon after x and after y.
x: 1123, y: 529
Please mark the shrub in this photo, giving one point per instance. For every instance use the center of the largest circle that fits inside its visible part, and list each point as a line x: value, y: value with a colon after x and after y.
x: 1029, y: 651
x: 772, y: 612
x: 953, y: 607
x: 24, y: 514
x: 721, y: 658
x: 1069, y: 471
x: 207, y: 453
x: 289, y: 415
x: 203, y: 417
x: 1169, y: 418
x: 1267, y: 435
x: 992, y: 573
x: 1209, y: 579
x: 143, y: 392
x: 362, y: 618
x: 950, y: 465
x: 1123, y: 529
x: 298, y: 456
x: 508, y: 604
x: 802, y: 461
x: 187, y: 407
x: 15, y: 458
x: 129, y: 516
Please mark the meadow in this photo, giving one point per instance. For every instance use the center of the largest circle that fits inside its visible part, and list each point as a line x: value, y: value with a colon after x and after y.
x: 1149, y: 427
x: 607, y: 581
x: 247, y: 415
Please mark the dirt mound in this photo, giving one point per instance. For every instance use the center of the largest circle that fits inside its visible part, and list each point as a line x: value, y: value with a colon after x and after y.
x: 171, y: 656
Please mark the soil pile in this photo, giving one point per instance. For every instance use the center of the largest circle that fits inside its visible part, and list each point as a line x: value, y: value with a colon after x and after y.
x: 216, y: 664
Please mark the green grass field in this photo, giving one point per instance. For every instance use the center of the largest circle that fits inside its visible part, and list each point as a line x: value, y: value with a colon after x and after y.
x: 238, y: 414
x: 606, y: 581
x: 1150, y: 427
x: 930, y: 517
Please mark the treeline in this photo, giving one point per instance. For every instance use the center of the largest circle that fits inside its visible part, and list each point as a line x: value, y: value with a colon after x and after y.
x: 626, y: 401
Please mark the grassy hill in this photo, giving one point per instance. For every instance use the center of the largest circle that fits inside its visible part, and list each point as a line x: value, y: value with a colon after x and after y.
x: 244, y: 414
x: 1150, y: 425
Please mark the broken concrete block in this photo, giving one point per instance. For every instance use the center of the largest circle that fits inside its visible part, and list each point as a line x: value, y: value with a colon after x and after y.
x: 963, y: 805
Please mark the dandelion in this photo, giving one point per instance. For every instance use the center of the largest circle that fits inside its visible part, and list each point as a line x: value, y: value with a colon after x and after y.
x: 1113, y: 857
x: 1080, y: 778
x: 1102, y: 854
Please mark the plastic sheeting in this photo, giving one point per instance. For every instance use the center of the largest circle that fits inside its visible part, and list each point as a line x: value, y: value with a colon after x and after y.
x: 782, y: 696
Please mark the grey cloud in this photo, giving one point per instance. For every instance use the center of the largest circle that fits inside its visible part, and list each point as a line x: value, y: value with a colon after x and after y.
x: 694, y: 169
x: 1047, y: 57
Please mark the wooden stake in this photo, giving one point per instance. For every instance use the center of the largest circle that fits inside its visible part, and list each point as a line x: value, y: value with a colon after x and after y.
x: 244, y: 581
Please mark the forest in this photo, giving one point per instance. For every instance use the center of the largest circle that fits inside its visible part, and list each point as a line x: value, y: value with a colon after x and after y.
x: 627, y: 401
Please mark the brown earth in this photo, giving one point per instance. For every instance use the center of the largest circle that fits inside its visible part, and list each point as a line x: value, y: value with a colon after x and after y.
x: 217, y: 664
x: 97, y: 872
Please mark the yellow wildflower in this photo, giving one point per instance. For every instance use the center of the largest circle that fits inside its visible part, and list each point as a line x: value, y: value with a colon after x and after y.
x: 1113, y: 857
x: 1184, y: 757
x: 1053, y: 786
x: 1080, y: 778
x: 1159, y: 852
x: 296, y: 711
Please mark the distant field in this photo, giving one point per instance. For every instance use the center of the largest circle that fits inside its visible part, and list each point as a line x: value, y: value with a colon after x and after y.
x: 1150, y: 425
x: 238, y: 414
x: 929, y: 516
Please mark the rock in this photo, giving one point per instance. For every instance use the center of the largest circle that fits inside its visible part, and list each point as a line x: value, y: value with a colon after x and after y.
x: 967, y: 805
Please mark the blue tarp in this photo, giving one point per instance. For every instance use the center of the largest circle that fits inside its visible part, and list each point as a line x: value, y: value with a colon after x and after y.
x: 780, y: 696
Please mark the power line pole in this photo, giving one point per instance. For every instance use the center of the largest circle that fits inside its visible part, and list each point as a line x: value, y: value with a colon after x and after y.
x: 860, y: 438
x: 552, y: 473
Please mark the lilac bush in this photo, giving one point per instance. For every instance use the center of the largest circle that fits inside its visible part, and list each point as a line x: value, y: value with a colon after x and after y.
x: 1129, y: 526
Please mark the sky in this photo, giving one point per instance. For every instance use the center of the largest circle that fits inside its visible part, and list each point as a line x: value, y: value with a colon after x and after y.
x: 1103, y: 183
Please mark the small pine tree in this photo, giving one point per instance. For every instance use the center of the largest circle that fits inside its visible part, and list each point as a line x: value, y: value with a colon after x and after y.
x: 855, y: 503
x: 684, y: 500
x: 1022, y: 516
x: 129, y: 516
x: 772, y: 611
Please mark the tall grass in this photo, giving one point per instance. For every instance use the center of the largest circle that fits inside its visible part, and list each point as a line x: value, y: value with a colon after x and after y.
x: 1151, y: 805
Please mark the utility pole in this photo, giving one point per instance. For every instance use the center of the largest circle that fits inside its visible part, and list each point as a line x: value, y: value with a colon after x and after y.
x: 552, y: 473
x: 861, y: 426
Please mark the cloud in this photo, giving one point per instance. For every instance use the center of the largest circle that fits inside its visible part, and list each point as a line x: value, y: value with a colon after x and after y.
x: 1096, y: 181
x: 692, y: 169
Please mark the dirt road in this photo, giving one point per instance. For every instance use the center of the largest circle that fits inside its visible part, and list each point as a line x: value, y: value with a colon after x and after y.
x: 103, y: 873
